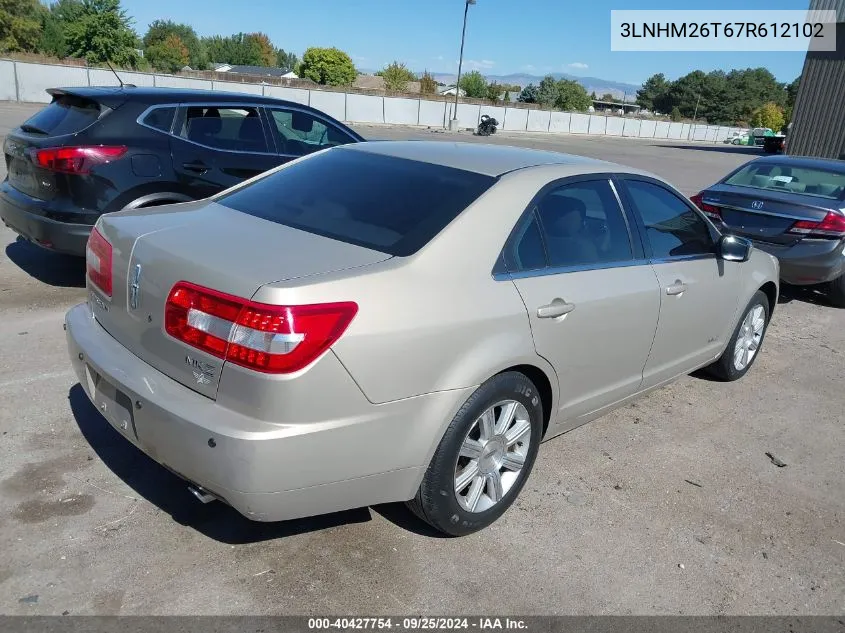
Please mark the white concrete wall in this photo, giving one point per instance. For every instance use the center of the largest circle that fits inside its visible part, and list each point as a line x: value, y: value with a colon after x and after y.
x: 24, y: 81
x: 598, y: 124
x: 401, y: 111
x: 647, y: 129
x: 332, y: 103
x: 169, y: 81
x: 560, y: 122
x: 8, y: 91
x: 515, y: 119
x: 675, y: 130
x: 468, y: 115
x: 34, y: 79
x: 661, y: 129
x: 632, y: 127
x: 538, y: 120
x: 297, y: 95
x: 433, y: 113
x: 579, y: 123
x: 105, y: 77
x: 364, y: 108
x: 234, y: 86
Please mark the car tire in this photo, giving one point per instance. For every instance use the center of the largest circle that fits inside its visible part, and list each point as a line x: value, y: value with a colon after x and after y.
x: 439, y: 501
x: 836, y: 292
x: 727, y: 368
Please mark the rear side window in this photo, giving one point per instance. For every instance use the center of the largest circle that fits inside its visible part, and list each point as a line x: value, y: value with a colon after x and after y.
x: 160, y: 118
x: 67, y: 114
x: 388, y: 204
x: 234, y: 128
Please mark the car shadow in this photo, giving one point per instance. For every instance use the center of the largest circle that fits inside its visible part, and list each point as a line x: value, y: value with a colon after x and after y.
x: 169, y: 492
x: 54, y: 269
x: 805, y: 294
x: 722, y: 148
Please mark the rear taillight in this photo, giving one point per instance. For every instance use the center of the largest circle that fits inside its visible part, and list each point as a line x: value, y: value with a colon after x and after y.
x: 831, y: 226
x: 98, y: 261
x: 267, y: 338
x: 76, y: 160
x: 707, y: 209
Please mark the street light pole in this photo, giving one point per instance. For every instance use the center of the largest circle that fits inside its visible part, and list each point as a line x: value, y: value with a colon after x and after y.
x: 453, y: 124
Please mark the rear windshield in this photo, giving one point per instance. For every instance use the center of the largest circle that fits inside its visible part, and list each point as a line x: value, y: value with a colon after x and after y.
x: 388, y: 204
x: 66, y: 115
x: 778, y: 177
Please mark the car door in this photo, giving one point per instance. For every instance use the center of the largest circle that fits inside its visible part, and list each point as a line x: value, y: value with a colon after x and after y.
x: 297, y: 132
x: 698, y: 291
x: 215, y: 147
x: 592, y: 298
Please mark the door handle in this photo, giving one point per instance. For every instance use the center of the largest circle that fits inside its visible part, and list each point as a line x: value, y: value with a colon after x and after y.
x: 197, y: 167
x: 556, y: 308
x: 676, y: 288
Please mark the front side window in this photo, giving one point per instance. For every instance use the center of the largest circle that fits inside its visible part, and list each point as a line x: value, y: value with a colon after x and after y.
x: 228, y: 128
x: 388, y: 204
x: 299, y: 133
x: 672, y: 228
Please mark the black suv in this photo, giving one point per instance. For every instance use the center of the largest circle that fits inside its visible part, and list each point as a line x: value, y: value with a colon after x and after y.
x: 97, y: 150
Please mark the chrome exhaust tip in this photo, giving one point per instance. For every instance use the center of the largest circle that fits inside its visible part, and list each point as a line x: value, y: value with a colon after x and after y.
x: 203, y: 495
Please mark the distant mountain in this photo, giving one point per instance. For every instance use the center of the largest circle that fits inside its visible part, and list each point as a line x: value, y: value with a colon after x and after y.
x: 591, y: 84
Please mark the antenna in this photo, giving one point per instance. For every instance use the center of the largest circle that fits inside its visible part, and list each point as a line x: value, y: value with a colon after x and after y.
x: 115, y: 73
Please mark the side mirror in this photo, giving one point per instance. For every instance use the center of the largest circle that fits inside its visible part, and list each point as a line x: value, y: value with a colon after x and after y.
x: 734, y: 249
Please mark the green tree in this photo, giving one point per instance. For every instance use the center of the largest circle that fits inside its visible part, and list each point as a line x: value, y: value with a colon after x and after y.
x: 676, y: 114
x: 572, y: 96
x: 396, y: 76
x: 653, y: 91
x: 474, y: 85
x: 328, y: 66
x: 593, y: 96
x: 507, y: 97
x: 170, y: 54
x: 427, y: 84
x: 547, y: 92
x: 238, y: 50
x: 161, y: 30
x: 266, y: 50
x: 494, y: 91
x: 286, y: 61
x: 101, y: 33
x: 20, y: 25
x: 769, y: 115
x: 52, y: 36
x: 528, y: 94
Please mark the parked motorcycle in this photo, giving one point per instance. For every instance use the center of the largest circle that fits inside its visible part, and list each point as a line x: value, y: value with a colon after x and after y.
x: 487, y: 126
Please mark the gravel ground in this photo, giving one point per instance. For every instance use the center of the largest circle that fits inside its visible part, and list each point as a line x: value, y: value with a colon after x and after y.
x: 667, y: 506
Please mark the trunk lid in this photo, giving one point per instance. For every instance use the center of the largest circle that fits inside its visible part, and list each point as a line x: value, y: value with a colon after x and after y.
x: 765, y: 216
x: 209, y: 245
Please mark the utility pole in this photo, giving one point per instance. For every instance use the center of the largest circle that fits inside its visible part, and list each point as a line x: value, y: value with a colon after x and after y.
x: 453, y: 124
x: 694, y: 116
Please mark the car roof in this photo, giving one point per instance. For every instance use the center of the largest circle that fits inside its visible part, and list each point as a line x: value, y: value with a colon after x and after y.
x: 490, y: 160
x: 807, y: 162
x: 144, y: 94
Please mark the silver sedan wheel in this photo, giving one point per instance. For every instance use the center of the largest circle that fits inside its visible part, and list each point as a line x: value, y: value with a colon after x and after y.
x: 750, y: 336
x: 492, y: 456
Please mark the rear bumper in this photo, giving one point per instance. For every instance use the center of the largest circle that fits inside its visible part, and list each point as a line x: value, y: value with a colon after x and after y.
x: 809, y: 262
x: 266, y: 471
x: 62, y: 237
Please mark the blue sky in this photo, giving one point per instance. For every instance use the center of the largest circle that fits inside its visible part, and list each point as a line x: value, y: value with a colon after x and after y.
x: 503, y: 36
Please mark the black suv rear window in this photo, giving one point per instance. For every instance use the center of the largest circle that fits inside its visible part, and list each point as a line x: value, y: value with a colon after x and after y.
x: 388, y: 204
x: 67, y: 114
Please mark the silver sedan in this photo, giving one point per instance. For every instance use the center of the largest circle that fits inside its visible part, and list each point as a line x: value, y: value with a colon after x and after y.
x: 404, y: 321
